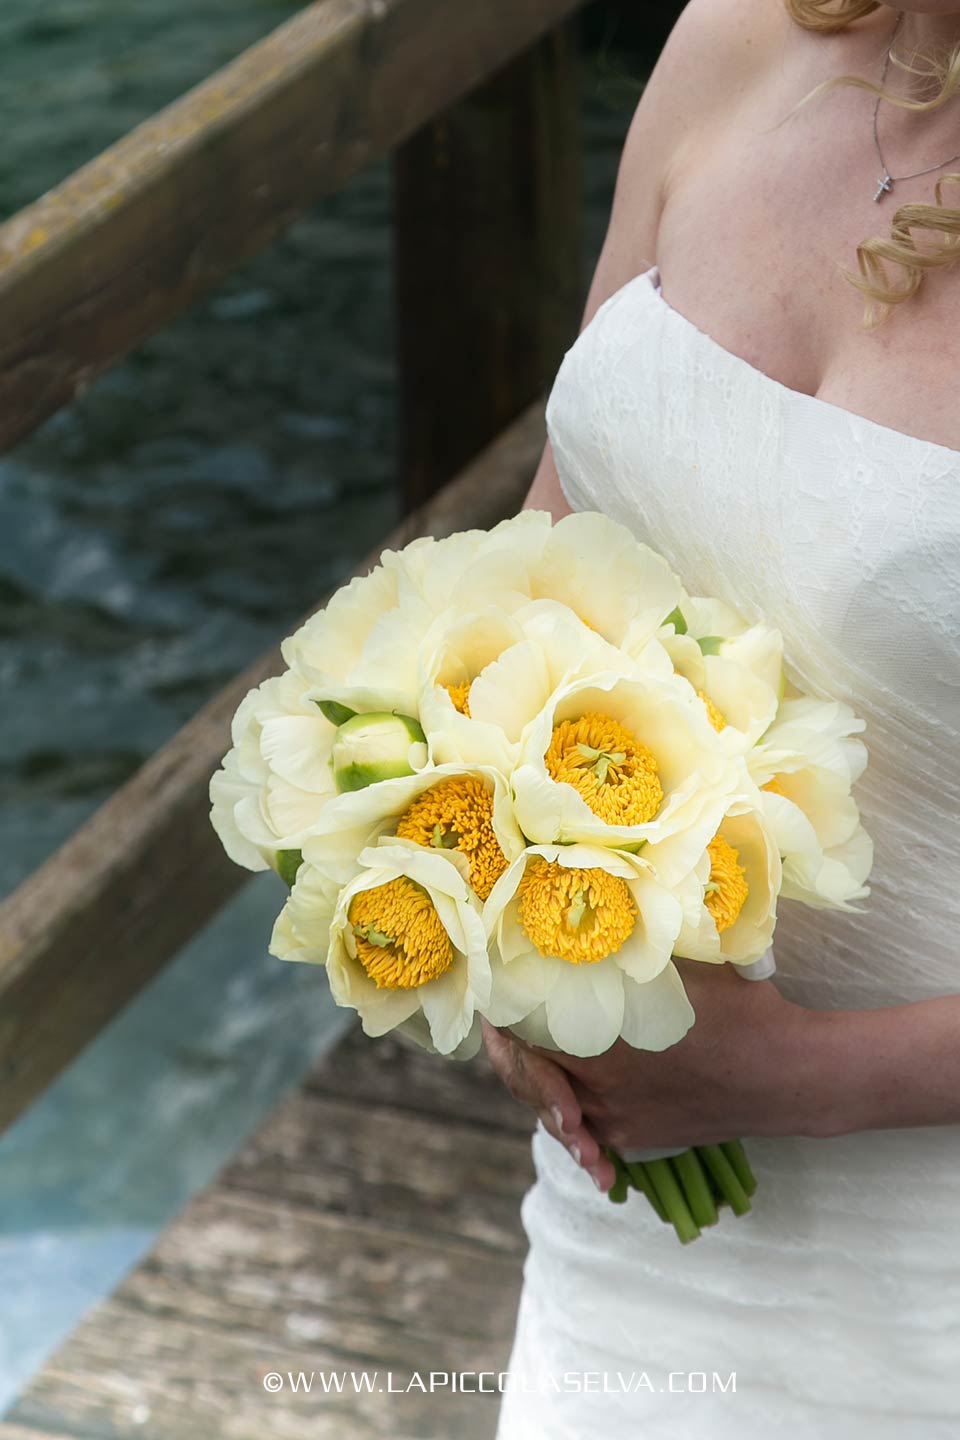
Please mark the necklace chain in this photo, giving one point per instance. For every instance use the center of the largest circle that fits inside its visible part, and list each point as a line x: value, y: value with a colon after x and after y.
x: 886, y: 180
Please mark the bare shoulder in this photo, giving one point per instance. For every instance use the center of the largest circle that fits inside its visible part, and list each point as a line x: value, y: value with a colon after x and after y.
x: 717, y: 51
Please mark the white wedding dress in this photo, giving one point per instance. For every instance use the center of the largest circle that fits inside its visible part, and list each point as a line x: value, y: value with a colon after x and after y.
x: 836, y: 1303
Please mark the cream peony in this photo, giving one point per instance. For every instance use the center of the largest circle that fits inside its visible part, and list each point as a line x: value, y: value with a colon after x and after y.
x: 403, y: 938
x: 805, y: 767
x: 360, y: 649
x: 618, y: 586
x: 737, y: 881
x: 626, y: 761
x: 472, y: 568
x: 284, y: 769
x: 484, y: 675
x: 582, y: 937
x: 736, y: 669
x: 276, y: 779
x: 446, y: 807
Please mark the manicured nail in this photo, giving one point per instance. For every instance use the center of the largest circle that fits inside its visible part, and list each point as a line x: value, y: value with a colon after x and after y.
x: 557, y: 1114
x: 575, y: 1151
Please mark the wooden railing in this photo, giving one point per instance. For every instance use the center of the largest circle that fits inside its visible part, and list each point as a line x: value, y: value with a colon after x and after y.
x: 478, y: 105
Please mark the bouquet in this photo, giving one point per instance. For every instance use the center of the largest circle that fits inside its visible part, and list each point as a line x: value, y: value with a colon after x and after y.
x: 513, y: 774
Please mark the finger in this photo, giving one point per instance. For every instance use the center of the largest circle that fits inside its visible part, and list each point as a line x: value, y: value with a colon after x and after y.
x: 544, y: 1085
x: 551, y: 1086
x: 503, y: 1054
x: 583, y: 1146
x: 603, y: 1172
x: 537, y: 1082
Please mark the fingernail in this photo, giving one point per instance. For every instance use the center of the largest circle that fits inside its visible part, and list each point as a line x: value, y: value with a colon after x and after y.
x: 575, y: 1151
x: 596, y: 1180
x: 557, y: 1114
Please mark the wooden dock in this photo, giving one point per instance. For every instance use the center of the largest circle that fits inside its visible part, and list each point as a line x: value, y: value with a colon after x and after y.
x: 371, y: 1228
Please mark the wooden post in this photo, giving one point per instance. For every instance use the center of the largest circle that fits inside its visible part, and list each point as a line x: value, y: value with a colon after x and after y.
x: 487, y: 247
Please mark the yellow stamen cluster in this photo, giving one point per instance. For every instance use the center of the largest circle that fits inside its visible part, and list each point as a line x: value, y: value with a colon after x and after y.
x: 716, y: 718
x: 458, y: 814
x: 614, y: 773
x: 401, y: 941
x: 460, y: 696
x: 775, y: 787
x: 580, y: 915
x: 729, y: 876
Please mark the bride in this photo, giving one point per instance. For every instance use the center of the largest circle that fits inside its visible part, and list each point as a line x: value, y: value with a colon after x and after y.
x: 730, y: 401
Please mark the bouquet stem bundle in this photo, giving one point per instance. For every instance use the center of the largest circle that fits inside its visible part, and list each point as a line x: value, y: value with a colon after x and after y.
x: 687, y: 1190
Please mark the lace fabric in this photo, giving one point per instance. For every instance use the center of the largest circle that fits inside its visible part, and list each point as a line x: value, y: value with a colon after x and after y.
x: 837, y: 1302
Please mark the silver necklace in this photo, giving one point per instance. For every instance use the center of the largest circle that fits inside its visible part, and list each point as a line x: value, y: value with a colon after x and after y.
x: 886, y: 180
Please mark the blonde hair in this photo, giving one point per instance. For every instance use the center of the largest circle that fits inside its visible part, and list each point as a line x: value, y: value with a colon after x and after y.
x: 899, y: 247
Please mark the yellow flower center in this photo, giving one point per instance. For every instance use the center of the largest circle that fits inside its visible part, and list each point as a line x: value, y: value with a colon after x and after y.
x: 574, y: 914
x: 717, y: 720
x: 457, y: 814
x: 727, y: 889
x: 401, y: 941
x: 460, y: 695
x: 775, y: 787
x: 614, y: 774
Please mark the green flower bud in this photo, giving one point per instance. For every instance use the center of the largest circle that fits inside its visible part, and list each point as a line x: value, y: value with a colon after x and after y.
x: 378, y: 746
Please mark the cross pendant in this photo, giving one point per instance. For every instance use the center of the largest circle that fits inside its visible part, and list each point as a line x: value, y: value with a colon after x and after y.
x: 883, y: 184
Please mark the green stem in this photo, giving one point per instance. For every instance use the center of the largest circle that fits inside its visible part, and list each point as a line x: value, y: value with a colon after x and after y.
x: 719, y: 1199
x: 640, y: 1180
x: 735, y: 1153
x: 696, y: 1187
x: 725, y: 1176
x: 670, y: 1195
x: 620, y: 1188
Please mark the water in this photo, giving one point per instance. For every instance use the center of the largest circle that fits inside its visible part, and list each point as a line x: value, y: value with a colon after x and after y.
x: 153, y: 539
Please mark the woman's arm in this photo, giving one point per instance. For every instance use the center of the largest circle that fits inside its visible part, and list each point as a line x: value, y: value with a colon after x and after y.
x: 685, y: 89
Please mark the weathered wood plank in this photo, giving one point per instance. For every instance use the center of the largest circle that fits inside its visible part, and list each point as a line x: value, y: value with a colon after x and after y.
x: 137, y: 235
x: 454, y: 1182
x: 471, y: 1093
x: 179, y: 1381
x: 487, y: 258
x: 86, y: 931
x: 244, y: 1264
x: 343, y: 1239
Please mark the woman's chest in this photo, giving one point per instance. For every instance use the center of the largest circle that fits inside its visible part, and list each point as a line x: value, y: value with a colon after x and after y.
x: 755, y: 230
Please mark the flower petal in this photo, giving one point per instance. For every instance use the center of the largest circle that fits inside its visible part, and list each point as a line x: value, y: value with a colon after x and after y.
x: 658, y: 1013
x: 585, y: 1006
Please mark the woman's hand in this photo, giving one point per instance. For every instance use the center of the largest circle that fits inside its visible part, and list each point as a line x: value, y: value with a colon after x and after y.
x: 750, y: 1065
x: 542, y: 1084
